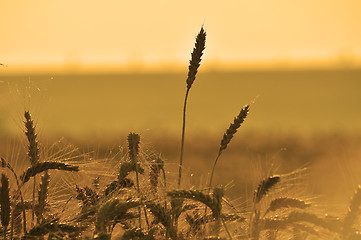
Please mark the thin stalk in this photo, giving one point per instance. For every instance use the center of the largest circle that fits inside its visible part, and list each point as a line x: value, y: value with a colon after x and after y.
x: 225, y: 228
x: 214, y: 167
x: 33, y: 153
x: 133, y: 141
x: 183, y: 132
x: 12, y: 228
x: 146, y: 216
x: 5, y: 164
x: 33, y: 207
x: 211, y: 178
x: 138, y: 189
x: 24, y: 214
x: 165, y: 187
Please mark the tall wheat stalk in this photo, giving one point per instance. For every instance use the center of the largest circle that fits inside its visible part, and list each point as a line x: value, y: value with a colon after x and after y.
x: 33, y: 152
x: 133, y: 147
x: 194, y: 64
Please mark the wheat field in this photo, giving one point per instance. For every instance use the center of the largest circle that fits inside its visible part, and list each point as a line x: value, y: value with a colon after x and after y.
x: 220, y: 175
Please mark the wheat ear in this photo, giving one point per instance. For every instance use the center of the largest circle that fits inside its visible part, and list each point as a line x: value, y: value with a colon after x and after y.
x: 42, y: 196
x: 133, y: 146
x: 297, y: 216
x: 43, y: 166
x: 286, y: 202
x: 275, y: 224
x: 156, y: 166
x: 261, y: 191
x: 5, y: 203
x: 194, y: 64
x: 122, y: 181
x: 111, y: 210
x: 5, y: 164
x: 228, y: 135
x: 33, y: 152
x: 30, y: 133
x: 127, y: 167
x: 51, y: 227
x: 87, y: 195
x: 214, y: 203
x: 264, y: 187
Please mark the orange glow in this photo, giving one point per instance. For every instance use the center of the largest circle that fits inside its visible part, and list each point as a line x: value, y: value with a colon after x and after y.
x: 75, y: 34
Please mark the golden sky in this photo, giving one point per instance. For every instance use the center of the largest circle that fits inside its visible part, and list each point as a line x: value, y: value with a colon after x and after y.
x: 115, y: 32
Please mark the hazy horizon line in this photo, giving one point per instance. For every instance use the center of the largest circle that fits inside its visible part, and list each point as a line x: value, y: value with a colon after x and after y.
x: 142, y: 67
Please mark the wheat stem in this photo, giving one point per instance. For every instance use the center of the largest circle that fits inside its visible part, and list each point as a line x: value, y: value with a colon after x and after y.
x: 5, y: 203
x: 183, y: 133
x: 133, y: 145
x: 33, y: 152
x: 213, y: 168
x: 225, y: 228
x: 194, y: 64
x: 5, y: 164
x: 42, y: 196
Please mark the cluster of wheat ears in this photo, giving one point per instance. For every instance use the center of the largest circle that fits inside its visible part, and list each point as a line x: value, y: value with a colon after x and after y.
x: 142, y: 204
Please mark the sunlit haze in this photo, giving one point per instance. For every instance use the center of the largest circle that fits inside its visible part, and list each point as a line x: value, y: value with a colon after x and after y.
x: 110, y: 34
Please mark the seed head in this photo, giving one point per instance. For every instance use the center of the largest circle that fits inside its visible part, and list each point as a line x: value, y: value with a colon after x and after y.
x: 195, y: 61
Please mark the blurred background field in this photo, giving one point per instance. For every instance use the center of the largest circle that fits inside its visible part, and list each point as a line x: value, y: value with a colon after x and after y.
x: 299, y: 102
x: 298, y: 119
